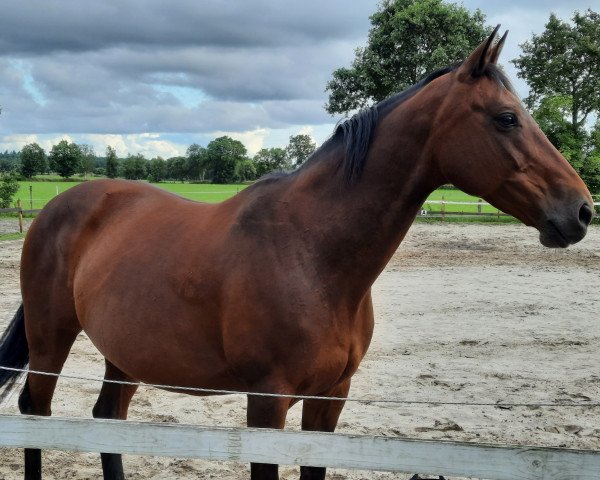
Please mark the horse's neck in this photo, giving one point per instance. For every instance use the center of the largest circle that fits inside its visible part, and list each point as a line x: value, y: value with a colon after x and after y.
x: 357, y: 228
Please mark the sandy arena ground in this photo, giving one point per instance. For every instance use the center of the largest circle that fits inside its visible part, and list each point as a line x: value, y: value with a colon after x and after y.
x: 471, y: 313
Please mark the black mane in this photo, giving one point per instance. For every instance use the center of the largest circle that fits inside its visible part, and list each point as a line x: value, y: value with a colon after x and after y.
x: 356, y: 132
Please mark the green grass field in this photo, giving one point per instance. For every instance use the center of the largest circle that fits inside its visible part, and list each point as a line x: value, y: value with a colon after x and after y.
x: 455, y: 196
x: 43, y: 192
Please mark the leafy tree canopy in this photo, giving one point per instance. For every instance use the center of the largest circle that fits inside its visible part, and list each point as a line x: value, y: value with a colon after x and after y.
x: 299, y: 148
x: 88, y: 159
x: 157, y: 170
x: 552, y: 116
x: 197, y: 162
x: 9, y: 186
x: 408, y: 40
x: 112, y: 163
x: 564, y: 61
x: 177, y: 168
x: 134, y: 167
x: 33, y: 160
x: 222, y: 156
x: 562, y: 67
x: 590, y: 165
x: 65, y: 158
x: 268, y: 160
x: 246, y: 170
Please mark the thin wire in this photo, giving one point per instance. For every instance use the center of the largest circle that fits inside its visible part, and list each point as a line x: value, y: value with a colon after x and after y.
x: 299, y: 397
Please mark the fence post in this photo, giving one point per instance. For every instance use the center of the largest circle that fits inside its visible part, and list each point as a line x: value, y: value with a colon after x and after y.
x: 443, y: 208
x: 479, y: 206
x: 20, y: 215
x: 30, y: 197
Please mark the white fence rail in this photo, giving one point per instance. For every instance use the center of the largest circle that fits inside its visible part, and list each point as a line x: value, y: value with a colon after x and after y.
x: 493, y: 462
x: 447, y: 202
x: 426, y: 209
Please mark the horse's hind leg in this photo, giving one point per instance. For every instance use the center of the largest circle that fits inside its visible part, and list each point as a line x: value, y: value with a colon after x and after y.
x: 48, y: 350
x: 113, y: 402
x: 322, y: 415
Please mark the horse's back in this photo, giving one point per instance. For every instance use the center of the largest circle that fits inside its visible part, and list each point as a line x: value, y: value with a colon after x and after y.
x: 98, y: 201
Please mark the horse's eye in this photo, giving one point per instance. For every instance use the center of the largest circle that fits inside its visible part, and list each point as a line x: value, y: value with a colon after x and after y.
x: 507, y: 120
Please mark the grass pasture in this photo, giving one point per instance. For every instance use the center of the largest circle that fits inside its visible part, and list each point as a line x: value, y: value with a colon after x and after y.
x: 43, y: 192
x: 455, y: 196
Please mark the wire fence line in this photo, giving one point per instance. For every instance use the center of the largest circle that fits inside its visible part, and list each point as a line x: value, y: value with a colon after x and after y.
x: 364, y: 400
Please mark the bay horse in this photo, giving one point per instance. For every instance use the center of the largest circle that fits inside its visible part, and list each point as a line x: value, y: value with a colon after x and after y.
x: 270, y: 291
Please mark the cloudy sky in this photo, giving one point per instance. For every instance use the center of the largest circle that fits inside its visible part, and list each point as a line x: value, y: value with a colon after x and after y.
x: 152, y: 77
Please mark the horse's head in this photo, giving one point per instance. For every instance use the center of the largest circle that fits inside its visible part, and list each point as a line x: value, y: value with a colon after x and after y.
x: 487, y: 144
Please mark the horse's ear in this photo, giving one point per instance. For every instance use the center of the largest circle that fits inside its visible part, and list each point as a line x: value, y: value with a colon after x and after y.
x: 476, y: 63
x: 496, y: 49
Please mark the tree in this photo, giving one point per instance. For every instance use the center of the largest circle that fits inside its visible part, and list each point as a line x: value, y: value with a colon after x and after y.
x: 268, y: 160
x: 10, y: 161
x: 9, y: 186
x: 177, y: 168
x: 564, y: 60
x: 88, y: 159
x: 552, y: 116
x: 245, y: 170
x: 580, y: 147
x: 134, y: 167
x: 222, y: 156
x: 590, y: 165
x: 408, y: 40
x: 65, y: 158
x: 157, y: 170
x: 112, y: 163
x: 196, y: 162
x: 299, y: 148
x: 562, y: 68
x: 33, y: 160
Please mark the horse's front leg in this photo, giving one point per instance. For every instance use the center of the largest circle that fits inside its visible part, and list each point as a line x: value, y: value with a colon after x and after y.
x: 266, y: 412
x: 322, y: 415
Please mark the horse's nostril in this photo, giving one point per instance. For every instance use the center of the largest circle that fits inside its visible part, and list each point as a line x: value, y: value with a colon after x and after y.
x: 585, y: 214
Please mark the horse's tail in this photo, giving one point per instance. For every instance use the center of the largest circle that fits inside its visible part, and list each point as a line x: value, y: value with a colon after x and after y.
x: 14, y: 352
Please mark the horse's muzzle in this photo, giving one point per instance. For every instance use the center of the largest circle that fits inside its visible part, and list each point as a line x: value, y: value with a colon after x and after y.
x: 562, y: 230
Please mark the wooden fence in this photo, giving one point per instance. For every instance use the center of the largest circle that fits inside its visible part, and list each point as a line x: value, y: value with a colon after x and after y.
x: 493, y: 462
x: 21, y: 212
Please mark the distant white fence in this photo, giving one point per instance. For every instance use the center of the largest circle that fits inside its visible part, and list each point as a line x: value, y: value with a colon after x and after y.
x: 494, y: 462
x: 443, y: 211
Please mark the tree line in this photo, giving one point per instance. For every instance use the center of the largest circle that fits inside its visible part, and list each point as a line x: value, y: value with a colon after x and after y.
x: 223, y: 160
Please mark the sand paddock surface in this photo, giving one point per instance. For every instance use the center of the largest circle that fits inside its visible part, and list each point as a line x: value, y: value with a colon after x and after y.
x: 464, y: 313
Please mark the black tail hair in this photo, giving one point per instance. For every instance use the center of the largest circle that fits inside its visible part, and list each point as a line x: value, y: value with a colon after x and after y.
x: 14, y: 352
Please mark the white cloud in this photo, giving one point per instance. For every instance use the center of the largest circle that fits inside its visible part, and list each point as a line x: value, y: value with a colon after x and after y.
x: 17, y: 142
x: 148, y: 144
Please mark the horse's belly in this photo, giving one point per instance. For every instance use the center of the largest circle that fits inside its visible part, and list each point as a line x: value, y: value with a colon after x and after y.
x: 159, y: 340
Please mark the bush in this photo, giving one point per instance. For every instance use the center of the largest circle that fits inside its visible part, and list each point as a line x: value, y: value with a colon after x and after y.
x: 9, y: 185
